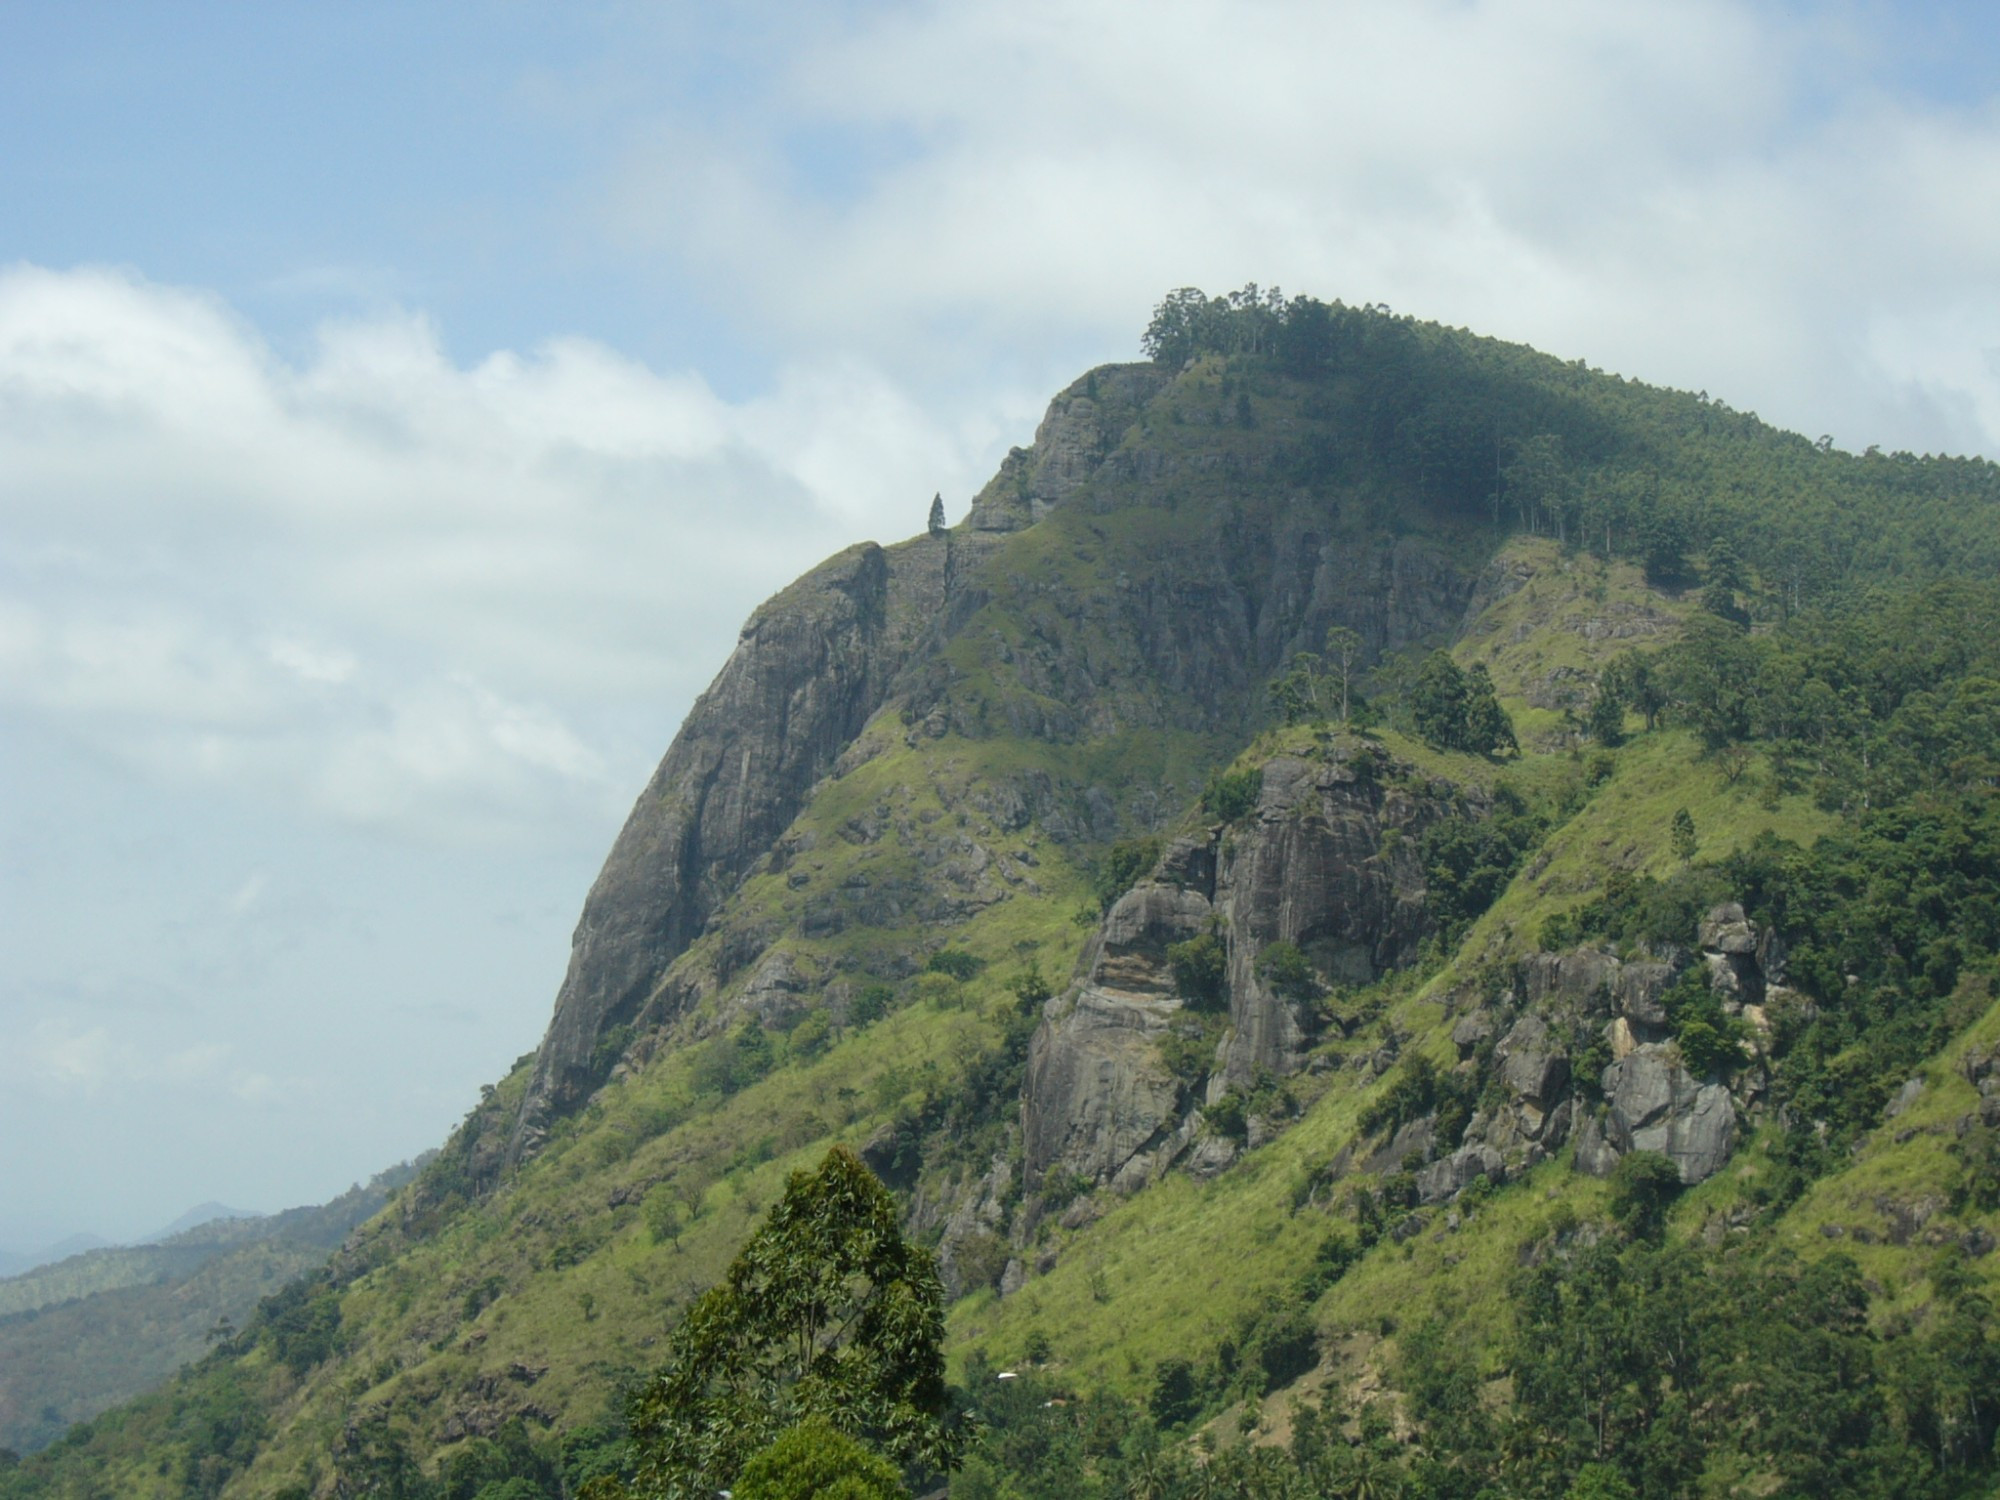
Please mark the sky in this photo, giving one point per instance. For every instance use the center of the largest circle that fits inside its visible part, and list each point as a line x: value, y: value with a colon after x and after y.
x: 403, y: 404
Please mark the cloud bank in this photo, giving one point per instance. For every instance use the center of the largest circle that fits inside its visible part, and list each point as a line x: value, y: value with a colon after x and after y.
x: 1692, y: 192
x: 388, y: 589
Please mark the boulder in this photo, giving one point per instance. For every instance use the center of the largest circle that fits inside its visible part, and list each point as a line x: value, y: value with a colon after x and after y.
x: 1097, y: 1093
x: 1533, y: 1065
x: 1414, y: 1139
x: 1595, y: 1155
x: 1578, y: 979
x: 1637, y: 989
x: 1656, y: 1105
x: 1905, y: 1097
x: 1445, y: 1179
x: 1726, y: 930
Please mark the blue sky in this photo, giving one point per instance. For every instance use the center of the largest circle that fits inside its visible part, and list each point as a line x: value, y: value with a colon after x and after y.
x: 402, y: 405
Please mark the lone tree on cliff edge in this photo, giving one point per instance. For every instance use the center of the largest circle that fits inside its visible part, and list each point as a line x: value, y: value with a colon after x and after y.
x: 827, y: 1315
x: 937, y: 514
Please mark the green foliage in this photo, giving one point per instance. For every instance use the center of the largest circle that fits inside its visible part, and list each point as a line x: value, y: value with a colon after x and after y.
x: 1458, y: 710
x: 1233, y: 794
x: 1418, y: 1088
x: 1643, y: 1185
x: 732, y: 1062
x: 828, y: 1313
x: 1286, y: 969
x: 814, y: 1460
x: 1227, y: 1117
x: 871, y: 1004
x: 1123, y: 866
x: 300, y: 1324
x: 1468, y: 862
x: 1684, y: 837
x: 1201, y: 971
x: 661, y: 1209
x: 1175, y: 1396
x: 510, y: 1465
x: 956, y: 963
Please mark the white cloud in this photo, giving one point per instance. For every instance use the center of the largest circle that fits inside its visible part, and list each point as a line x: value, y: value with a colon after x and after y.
x: 65, y: 1059
x: 1702, y: 192
x: 404, y: 592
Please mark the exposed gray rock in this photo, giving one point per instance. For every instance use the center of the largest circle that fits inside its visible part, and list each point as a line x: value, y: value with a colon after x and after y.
x: 1532, y: 1065
x: 1904, y: 1098
x: 1725, y: 930
x: 1097, y: 1093
x: 1595, y: 1155
x: 1470, y: 1032
x: 1446, y: 1178
x: 809, y: 669
x: 1410, y: 1145
x: 1577, y: 980
x: 1637, y: 988
x: 1656, y: 1105
x: 1316, y: 868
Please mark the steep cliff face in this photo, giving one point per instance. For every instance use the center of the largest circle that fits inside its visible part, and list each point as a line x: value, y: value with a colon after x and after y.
x: 1326, y: 864
x: 808, y: 670
x: 969, y: 633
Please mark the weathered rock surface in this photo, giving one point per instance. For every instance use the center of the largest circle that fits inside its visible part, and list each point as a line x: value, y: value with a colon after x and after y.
x: 1446, y: 1178
x: 1316, y: 868
x: 1656, y: 1105
x: 1313, y: 866
x: 809, y: 669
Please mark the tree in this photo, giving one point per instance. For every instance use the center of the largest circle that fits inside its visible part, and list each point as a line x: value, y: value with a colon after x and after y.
x: 827, y: 1313
x: 936, y: 525
x: 1642, y: 1187
x: 1606, y: 719
x: 1685, y: 841
x: 1438, y: 702
x: 1488, y: 730
x: 816, y: 1461
x: 1343, y: 650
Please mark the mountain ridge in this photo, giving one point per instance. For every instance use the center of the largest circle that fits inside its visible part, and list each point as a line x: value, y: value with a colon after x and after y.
x: 928, y: 871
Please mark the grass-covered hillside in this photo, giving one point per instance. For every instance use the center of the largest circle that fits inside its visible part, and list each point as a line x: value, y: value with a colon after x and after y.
x: 1407, y: 918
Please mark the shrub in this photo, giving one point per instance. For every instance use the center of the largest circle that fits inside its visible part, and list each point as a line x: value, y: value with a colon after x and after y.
x: 1124, y: 864
x: 871, y: 1004
x: 955, y: 962
x: 1285, y: 967
x: 1175, y: 1397
x: 1233, y: 794
x: 1201, y: 971
x: 1641, y: 1188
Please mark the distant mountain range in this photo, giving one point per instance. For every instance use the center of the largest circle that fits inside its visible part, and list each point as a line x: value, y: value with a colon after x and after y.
x: 87, y: 1324
x: 20, y: 1262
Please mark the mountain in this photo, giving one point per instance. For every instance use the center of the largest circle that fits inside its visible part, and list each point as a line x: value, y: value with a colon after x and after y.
x: 1421, y: 911
x: 81, y: 1334
x: 194, y: 1218
x: 17, y: 1262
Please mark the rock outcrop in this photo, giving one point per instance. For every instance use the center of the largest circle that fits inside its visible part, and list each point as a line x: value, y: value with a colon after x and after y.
x: 809, y: 669
x: 1327, y: 863
x: 1187, y: 646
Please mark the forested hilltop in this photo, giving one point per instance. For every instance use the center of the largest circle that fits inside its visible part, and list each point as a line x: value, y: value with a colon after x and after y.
x: 1386, y: 915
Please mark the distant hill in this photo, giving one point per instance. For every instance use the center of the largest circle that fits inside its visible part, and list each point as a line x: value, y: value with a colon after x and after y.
x: 17, y: 1262
x: 194, y: 1218
x: 92, y: 1329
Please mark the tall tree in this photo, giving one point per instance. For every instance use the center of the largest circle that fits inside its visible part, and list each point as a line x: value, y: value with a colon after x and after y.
x: 827, y: 1313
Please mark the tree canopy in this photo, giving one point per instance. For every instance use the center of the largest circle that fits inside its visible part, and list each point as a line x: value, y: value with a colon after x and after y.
x: 827, y: 1315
